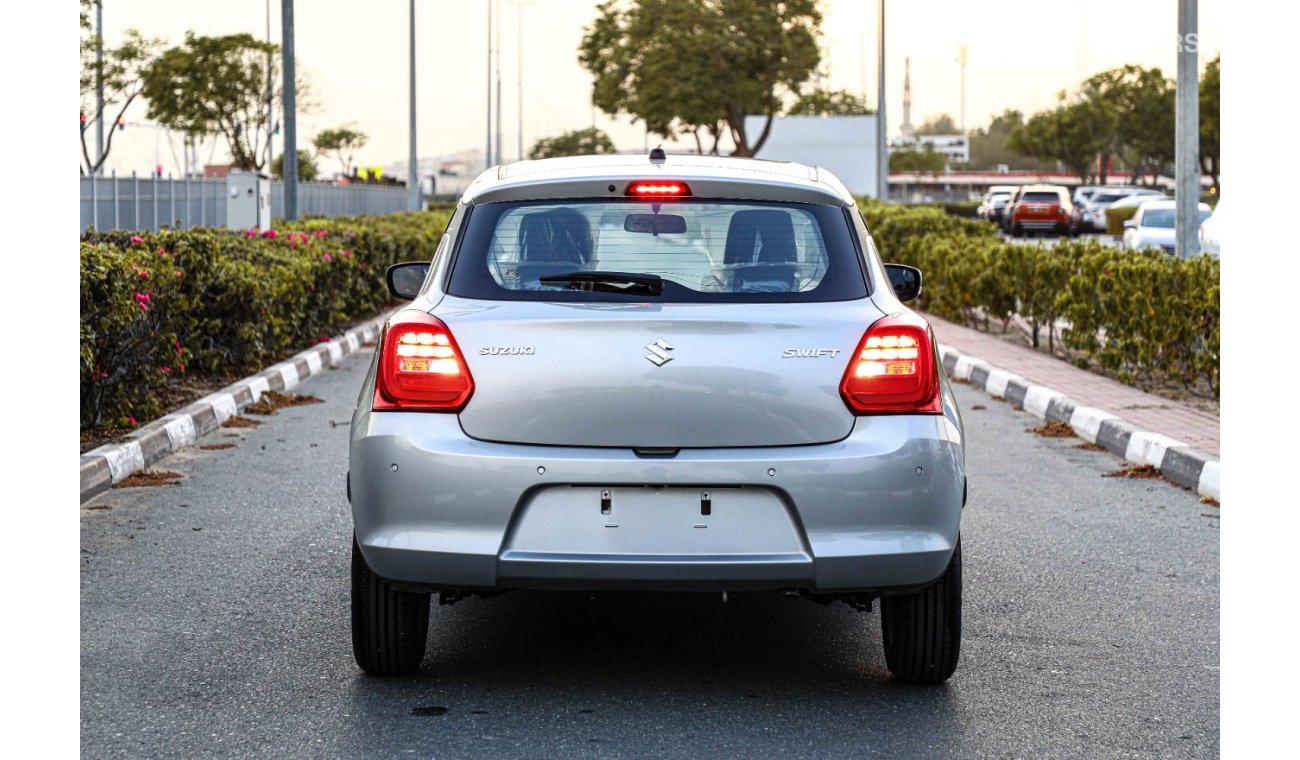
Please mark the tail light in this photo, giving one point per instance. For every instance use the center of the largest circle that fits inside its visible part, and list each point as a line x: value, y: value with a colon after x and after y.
x: 893, y: 371
x: 420, y: 366
x: 659, y: 189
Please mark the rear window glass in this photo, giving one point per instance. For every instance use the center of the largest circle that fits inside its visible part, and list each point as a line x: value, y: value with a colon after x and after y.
x: 1105, y: 198
x: 703, y: 251
x: 1164, y: 217
x: 1033, y: 197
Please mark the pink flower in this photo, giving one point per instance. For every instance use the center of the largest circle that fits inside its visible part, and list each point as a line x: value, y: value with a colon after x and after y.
x: 132, y: 421
x: 136, y: 239
x: 142, y: 274
x: 345, y: 253
x: 165, y: 370
x: 162, y: 252
x: 270, y: 234
x: 321, y: 233
x: 324, y: 339
x: 178, y: 273
x: 251, y: 232
x: 327, y: 256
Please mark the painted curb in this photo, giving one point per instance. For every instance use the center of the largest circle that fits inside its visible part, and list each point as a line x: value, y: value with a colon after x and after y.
x: 1178, y: 462
x: 111, y: 463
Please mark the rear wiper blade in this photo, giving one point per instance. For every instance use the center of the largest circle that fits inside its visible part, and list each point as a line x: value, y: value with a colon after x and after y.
x: 609, y: 282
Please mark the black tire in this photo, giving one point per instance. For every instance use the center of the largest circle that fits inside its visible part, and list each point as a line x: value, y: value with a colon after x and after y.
x: 922, y: 631
x: 1017, y: 230
x: 390, y: 628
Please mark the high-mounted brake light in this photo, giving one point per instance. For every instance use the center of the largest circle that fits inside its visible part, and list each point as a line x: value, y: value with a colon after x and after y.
x: 420, y: 366
x: 659, y: 189
x: 893, y: 371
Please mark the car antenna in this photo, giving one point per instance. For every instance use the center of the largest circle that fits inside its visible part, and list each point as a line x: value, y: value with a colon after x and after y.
x: 657, y: 155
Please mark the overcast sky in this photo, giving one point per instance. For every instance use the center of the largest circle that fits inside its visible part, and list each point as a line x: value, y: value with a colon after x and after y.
x: 356, y: 57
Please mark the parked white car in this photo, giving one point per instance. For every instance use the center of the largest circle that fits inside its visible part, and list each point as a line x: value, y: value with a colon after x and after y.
x: 1094, y: 209
x: 1153, y: 225
x: 1210, y: 232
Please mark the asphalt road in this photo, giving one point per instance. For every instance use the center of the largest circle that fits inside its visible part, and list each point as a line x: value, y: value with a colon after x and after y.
x: 214, y: 622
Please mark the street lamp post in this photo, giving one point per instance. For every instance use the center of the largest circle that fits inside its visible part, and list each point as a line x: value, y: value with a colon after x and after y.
x: 1187, y: 160
x: 290, y: 113
x: 99, y: 86
x: 487, y: 150
x: 413, y: 162
x: 882, y: 146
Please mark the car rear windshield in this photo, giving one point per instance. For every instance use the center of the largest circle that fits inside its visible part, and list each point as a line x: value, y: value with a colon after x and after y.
x: 1041, y: 198
x: 1163, y: 218
x: 695, y: 251
x: 1105, y: 198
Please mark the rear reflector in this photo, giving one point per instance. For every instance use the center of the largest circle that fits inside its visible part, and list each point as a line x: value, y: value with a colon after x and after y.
x: 420, y: 366
x: 658, y: 189
x: 893, y: 371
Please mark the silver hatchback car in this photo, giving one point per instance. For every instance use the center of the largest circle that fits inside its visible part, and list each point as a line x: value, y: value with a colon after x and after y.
x: 668, y: 373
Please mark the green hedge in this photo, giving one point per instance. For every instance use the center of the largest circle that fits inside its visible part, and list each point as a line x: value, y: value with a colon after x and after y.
x: 212, y: 303
x: 1147, y: 317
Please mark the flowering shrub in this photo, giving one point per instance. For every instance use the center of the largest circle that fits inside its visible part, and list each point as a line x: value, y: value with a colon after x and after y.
x: 214, y: 303
x: 1145, y: 316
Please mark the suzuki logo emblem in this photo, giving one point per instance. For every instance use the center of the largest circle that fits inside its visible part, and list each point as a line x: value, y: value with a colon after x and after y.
x: 659, y: 355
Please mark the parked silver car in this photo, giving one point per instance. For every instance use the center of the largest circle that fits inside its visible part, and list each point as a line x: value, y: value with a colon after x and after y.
x: 677, y: 373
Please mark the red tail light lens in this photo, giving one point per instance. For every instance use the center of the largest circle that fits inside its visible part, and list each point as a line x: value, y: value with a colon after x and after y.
x: 420, y: 366
x: 658, y: 189
x: 893, y: 371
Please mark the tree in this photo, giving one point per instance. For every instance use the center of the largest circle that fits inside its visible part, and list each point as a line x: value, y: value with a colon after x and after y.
x: 307, y: 170
x: 1142, y: 101
x: 578, y: 142
x: 927, y: 160
x: 938, y: 125
x: 681, y: 66
x: 217, y: 85
x: 123, y: 78
x: 1209, y: 107
x: 829, y: 103
x: 988, y: 145
x: 342, y: 143
x: 1074, y: 133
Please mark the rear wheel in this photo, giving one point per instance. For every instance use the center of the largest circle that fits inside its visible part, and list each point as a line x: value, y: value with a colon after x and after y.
x: 922, y: 631
x: 1017, y: 230
x: 389, y: 627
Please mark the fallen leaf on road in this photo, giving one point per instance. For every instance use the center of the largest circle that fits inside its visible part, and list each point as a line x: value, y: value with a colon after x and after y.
x: 1086, y: 446
x: 217, y: 446
x: 273, y: 401
x: 978, y: 407
x: 147, y: 478
x: 1213, y: 502
x: 1054, y: 429
x: 1136, y: 471
x: 240, y: 422
x: 101, y: 506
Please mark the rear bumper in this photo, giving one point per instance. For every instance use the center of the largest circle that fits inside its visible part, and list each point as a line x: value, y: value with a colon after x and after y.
x: 876, y: 511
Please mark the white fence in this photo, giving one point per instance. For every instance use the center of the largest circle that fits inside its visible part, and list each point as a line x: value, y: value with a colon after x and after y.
x: 149, y: 203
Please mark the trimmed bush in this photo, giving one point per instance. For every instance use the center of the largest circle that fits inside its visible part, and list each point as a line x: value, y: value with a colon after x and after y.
x: 1145, y: 316
x: 213, y: 303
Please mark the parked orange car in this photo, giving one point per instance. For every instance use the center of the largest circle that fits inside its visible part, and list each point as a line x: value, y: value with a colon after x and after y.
x: 1042, y: 208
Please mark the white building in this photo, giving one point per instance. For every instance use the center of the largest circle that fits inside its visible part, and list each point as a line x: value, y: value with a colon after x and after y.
x: 846, y: 145
x: 955, y: 147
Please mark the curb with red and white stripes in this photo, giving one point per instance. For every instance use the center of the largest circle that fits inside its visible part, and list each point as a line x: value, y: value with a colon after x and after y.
x: 114, y: 462
x: 1177, y: 461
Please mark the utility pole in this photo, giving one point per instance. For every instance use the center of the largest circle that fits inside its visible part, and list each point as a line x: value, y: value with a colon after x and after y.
x: 413, y: 182
x: 290, y: 113
x: 487, y: 152
x: 961, y: 58
x: 270, y: 93
x: 99, y: 86
x: 882, y: 145
x: 1187, y: 158
x: 519, y: 34
x: 500, y: 156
